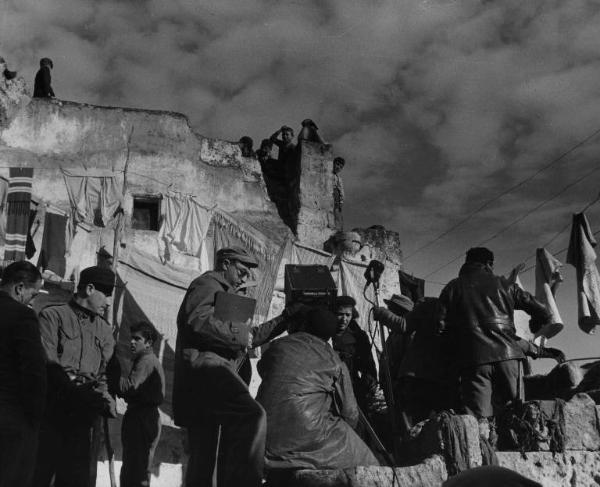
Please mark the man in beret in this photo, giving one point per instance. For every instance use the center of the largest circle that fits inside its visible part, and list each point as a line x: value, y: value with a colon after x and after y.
x: 208, y: 393
x: 78, y: 344
x: 476, y: 312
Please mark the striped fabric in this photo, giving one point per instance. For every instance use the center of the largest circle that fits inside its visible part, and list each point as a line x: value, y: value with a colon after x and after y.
x: 18, y: 203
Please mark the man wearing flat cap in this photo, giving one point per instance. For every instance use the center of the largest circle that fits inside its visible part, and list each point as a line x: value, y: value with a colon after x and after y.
x: 78, y: 343
x: 208, y: 394
x: 476, y: 312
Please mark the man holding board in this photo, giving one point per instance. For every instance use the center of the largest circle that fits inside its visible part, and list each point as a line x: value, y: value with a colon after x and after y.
x: 214, y: 332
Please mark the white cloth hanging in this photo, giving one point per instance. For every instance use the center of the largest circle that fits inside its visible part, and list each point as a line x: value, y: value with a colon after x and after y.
x: 582, y: 256
x: 547, y: 279
x: 184, y: 226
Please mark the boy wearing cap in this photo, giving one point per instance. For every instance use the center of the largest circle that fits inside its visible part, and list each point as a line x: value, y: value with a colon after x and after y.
x: 208, y: 394
x: 78, y: 343
x: 144, y: 391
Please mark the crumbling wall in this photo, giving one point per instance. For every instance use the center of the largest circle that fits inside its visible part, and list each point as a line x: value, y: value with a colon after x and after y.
x: 315, y: 216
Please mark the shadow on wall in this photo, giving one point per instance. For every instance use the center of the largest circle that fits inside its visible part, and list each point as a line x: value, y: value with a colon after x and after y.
x: 282, y: 179
x: 170, y: 447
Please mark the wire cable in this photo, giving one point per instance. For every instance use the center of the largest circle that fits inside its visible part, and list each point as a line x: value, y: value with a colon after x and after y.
x: 503, y: 193
x: 518, y: 220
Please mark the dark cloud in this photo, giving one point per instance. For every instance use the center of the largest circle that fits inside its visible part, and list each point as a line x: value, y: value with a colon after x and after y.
x: 437, y: 106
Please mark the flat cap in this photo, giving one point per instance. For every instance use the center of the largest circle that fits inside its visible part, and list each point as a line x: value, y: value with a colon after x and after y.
x: 401, y: 301
x: 237, y: 253
x: 102, y: 279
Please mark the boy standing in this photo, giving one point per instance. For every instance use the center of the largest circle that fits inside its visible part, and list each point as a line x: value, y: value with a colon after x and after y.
x: 144, y: 391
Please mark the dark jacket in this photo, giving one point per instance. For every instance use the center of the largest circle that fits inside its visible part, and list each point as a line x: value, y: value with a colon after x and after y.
x: 354, y: 349
x: 426, y: 355
x: 145, y: 385
x: 77, y: 339
x: 42, y: 87
x: 22, y: 362
x: 311, y: 409
x: 477, y: 311
x: 203, y: 339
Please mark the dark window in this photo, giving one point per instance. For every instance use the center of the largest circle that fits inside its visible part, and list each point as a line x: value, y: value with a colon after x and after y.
x: 146, y: 213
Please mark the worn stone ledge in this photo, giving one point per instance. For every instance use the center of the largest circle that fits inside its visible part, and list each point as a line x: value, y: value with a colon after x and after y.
x: 569, y: 469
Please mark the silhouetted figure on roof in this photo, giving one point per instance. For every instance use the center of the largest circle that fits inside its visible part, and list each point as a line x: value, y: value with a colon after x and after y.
x: 43, y: 80
x: 310, y: 132
x: 246, y: 145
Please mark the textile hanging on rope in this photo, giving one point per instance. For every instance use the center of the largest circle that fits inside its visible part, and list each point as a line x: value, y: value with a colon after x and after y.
x: 95, y: 196
x: 582, y: 256
x: 547, y: 279
x: 227, y: 230
x: 184, y: 226
x: 18, y: 202
x: 54, y: 244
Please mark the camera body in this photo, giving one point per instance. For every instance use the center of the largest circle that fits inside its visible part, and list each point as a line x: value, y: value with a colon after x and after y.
x: 312, y: 285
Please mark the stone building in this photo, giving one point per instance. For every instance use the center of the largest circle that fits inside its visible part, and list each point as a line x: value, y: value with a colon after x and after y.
x: 89, y: 160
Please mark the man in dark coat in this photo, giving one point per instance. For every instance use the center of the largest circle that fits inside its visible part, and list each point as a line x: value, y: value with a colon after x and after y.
x: 476, y: 310
x: 424, y: 379
x: 311, y: 409
x: 208, y: 394
x: 42, y: 87
x: 79, y: 344
x: 22, y: 374
x: 353, y: 346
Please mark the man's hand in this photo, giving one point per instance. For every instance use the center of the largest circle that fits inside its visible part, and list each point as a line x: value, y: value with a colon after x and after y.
x: 553, y: 353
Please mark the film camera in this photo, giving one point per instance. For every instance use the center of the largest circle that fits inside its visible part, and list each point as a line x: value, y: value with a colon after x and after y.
x: 311, y: 285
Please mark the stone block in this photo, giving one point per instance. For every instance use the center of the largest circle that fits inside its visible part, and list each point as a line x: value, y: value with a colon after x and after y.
x: 427, y: 441
x: 572, y: 468
x: 581, y: 424
x: 430, y: 473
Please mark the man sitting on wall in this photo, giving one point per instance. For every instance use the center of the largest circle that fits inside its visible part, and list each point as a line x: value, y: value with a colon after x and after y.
x: 307, y: 393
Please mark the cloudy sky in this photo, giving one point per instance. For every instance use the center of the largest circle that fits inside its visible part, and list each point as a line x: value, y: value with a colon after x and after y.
x: 437, y: 106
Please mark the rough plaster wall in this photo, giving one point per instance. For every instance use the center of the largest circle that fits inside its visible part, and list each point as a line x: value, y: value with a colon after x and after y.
x: 315, y: 219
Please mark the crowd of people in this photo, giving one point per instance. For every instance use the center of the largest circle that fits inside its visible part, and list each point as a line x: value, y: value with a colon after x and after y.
x: 319, y: 398
x: 322, y: 402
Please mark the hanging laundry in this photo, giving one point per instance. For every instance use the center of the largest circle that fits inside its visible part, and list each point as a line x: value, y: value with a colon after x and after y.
x: 411, y: 286
x: 95, y: 196
x: 582, y: 256
x: 184, y: 226
x: 54, y: 248
x: 547, y: 279
x: 18, y: 202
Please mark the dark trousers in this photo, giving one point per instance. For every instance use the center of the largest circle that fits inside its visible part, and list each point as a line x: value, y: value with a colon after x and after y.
x: 68, y: 451
x: 486, y: 389
x: 242, y: 424
x: 18, y: 447
x: 140, y: 432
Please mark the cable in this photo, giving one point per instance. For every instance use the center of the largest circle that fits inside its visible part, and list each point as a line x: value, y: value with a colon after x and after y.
x: 514, y: 222
x: 503, y: 193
